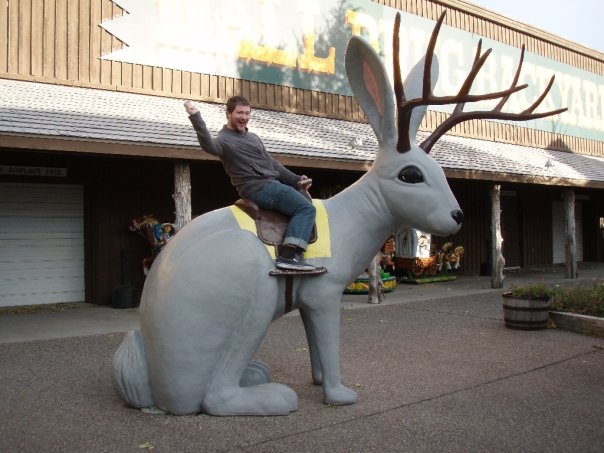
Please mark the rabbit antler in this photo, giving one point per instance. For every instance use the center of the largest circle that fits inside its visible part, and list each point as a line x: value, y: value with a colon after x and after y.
x: 405, y: 107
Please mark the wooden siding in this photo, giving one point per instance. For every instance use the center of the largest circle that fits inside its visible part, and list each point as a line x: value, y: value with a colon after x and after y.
x: 536, y: 228
x: 530, y: 207
x: 511, y: 228
x: 473, y: 198
x: 60, y: 41
x: 138, y: 186
x: 593, y: 234
x: 144, y: 186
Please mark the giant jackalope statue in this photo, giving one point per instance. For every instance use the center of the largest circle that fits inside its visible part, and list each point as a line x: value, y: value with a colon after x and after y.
x: 200, y: 328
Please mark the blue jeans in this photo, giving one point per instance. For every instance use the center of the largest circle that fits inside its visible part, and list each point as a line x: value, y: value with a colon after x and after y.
x: 287, y: 200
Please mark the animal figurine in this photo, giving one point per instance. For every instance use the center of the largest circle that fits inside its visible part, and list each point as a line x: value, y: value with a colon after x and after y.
x: 387, y: 253
x: 455, y: 258
x: 448, y: 255
x: 200, y: 328
x: 157, y: 234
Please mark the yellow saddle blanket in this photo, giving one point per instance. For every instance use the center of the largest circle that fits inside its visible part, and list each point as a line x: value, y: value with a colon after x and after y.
x: 321, y: 248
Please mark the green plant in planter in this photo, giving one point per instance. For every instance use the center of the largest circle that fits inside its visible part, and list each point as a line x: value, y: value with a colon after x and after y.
x: 537, y: 291
x: 527, y: 307
x: 584, y: 300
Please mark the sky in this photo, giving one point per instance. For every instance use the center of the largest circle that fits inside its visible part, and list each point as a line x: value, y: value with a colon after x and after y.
x: 580, y: 21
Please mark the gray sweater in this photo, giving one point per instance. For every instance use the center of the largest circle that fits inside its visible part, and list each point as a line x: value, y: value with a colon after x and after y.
x: 244, y: 158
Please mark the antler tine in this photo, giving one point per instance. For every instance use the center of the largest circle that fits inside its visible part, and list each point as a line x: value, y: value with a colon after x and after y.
x: 427, y: 89
x: 398, y: 82
x: 462, y: 95
x: 501, y: 103
x: 479, y: 61
x: 403, y: 118
x: 540, y: 99
x: 459, y: 116
x: 404, y: 107
x: 477, y: 55
x: 427, y: 144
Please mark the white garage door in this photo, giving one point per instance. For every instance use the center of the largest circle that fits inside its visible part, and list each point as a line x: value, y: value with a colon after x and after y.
x: 558, y: 232
x: 41, y: 244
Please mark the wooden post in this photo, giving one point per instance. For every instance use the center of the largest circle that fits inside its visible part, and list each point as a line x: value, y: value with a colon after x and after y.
x: 496, y: 238
x: 182, y: 194
x: 570, y: 245
x: 375, y: 284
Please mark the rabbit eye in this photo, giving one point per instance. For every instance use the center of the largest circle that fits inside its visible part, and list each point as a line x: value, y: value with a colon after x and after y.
x: 411, y: 175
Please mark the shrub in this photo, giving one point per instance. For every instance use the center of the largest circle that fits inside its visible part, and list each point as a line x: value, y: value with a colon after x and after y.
x: 584, y: 300
x: 537, y: 291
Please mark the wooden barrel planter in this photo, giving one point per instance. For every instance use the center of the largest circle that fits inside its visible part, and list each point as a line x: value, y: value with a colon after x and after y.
x: 525, y: 313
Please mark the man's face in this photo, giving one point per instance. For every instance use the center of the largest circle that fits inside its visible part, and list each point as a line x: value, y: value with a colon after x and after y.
x: 238, y: 118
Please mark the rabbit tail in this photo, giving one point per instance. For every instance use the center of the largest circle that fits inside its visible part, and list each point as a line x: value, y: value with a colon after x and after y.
x: 131, y: 373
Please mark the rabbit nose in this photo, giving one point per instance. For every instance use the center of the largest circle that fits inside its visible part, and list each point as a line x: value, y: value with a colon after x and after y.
x: 457, y: 215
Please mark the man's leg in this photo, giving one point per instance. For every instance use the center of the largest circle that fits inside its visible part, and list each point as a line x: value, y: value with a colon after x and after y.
x: 289, y: 201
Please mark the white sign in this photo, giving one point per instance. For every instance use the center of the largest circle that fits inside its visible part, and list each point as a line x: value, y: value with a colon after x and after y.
x: 16, y: 170
x: 301, y: 43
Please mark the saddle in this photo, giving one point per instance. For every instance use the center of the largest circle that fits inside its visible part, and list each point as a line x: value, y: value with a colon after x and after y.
x: 271, y: 225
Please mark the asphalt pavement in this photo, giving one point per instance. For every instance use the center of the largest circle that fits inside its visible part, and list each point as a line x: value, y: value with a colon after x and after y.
x: 434, y: 366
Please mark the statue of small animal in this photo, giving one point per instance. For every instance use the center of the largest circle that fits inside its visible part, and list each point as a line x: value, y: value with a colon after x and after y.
x: 447, y: 255
x: 157, y: 234
x: 200, y: 328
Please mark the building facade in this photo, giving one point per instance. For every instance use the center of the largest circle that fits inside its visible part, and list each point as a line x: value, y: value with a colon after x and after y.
x: 92, y: 124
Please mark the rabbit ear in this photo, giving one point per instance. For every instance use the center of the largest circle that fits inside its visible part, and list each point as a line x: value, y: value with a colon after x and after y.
x: 371, y: 87
x: 413, y: 89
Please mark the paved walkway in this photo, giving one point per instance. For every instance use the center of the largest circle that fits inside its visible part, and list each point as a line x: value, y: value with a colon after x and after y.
x: 88, y: 319
x: 434, y: 367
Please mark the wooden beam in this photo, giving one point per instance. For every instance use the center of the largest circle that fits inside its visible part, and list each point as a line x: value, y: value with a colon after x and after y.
x: 182, y: 194
x: 570, y: 241
x: 497, y: 259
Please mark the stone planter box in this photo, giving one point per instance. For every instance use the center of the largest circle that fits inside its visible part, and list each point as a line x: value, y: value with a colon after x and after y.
x: 588, y: 325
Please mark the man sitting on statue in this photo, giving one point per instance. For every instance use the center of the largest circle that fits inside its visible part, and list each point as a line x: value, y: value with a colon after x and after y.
x: 258, y: 177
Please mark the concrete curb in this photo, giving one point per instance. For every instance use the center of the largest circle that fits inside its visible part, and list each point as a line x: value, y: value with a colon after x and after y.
x: 588, y: 325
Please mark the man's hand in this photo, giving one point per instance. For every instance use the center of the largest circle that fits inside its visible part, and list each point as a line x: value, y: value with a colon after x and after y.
x: 305, y: 182
x: 190, y: 108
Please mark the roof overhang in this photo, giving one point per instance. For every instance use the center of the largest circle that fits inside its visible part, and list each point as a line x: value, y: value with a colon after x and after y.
x: 61, y: 118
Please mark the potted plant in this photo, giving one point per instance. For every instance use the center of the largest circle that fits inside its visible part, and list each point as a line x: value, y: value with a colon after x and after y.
x: 527, y: 307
